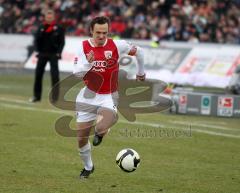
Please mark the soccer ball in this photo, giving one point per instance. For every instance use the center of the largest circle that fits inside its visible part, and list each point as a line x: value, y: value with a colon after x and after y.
x: 128, y: 160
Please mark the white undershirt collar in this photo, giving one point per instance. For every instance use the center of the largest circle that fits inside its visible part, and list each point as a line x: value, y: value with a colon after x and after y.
x: 90, y: 42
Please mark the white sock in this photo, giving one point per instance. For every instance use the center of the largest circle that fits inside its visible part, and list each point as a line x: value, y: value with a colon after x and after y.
x: 85, y: 154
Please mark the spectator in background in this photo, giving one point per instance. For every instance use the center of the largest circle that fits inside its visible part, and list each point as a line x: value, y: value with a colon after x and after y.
x: 216, y: 21
x: 49, y: 42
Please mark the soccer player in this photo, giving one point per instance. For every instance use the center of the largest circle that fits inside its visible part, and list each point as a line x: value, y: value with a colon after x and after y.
x: 97, y: 64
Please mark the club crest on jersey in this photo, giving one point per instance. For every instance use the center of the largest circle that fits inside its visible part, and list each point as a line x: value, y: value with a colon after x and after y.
x: 108, y: 54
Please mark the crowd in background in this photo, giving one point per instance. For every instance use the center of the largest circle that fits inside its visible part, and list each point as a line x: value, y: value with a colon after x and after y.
x: 175, y: 20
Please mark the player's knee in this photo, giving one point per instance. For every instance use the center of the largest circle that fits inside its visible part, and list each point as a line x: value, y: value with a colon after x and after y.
x: 101, y: 128
x: 82, y: 141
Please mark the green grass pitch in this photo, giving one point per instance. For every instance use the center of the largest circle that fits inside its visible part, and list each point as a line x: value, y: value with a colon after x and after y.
x: 179, y: 154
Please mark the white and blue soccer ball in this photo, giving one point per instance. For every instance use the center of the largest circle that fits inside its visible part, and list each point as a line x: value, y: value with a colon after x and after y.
x: 128, y: 160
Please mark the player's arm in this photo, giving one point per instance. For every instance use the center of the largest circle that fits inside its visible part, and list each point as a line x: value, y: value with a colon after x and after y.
x: 138, y: 52
x: 132, y: 50
x: 82, y: 63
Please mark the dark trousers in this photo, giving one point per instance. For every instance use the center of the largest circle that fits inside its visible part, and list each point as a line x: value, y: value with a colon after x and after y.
x: 39, y: 72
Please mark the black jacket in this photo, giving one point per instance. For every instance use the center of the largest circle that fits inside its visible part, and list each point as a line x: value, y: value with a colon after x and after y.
x: 49, y: 39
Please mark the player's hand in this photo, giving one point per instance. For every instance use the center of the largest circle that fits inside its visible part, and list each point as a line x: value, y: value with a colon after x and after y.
x: 90, y: 56
x: 140, y: 77
x: 58, y: 56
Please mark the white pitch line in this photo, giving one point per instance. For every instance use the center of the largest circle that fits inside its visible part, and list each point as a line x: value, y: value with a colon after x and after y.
x: 33, y: 109
x: 215, y: 133
x: 210, y: 122
x: 142, y: 123
x: 206, y: 125
x: 121, y: 121
x: 3, y: 86
x: 14, y: 101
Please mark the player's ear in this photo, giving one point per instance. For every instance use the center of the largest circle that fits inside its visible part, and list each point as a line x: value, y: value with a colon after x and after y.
x: 91, y: 31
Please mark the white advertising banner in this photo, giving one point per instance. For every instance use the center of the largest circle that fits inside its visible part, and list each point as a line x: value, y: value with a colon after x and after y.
x: 66, y: 63
x: 197, y: 65
x: 208, y: 66
x: 14, y: 48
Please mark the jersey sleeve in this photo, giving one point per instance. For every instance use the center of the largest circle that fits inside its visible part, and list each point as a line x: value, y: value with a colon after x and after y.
x: 81, y: 65
x: 123, y: 46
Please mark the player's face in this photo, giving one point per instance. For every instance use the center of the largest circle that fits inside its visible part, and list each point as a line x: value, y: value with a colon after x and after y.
x: 99, y: 33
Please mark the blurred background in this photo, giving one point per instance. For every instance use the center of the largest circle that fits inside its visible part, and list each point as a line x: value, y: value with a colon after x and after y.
x: 174, y: 20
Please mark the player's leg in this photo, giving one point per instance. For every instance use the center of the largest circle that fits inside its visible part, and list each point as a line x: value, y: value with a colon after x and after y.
x: 83, y: 132
x: 37, y: 90
x: 106, y: 119
x: 85, y: 120
x: 54, y: 77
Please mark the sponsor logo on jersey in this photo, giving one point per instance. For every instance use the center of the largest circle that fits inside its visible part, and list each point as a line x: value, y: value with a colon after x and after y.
x: 99, y: 66
x: 103, y: 64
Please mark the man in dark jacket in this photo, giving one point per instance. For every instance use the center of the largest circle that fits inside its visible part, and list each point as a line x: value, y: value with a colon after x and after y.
x: 49, y: 41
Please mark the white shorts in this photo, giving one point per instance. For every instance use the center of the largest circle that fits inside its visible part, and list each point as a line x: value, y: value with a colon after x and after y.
x: 89, y: 102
